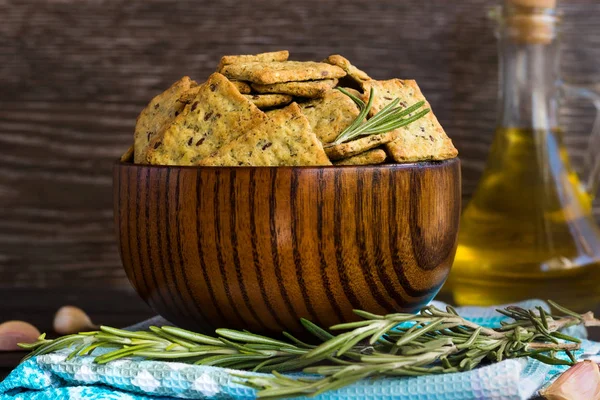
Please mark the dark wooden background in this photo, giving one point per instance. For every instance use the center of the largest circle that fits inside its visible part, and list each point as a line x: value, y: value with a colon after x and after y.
x: 75, y: 73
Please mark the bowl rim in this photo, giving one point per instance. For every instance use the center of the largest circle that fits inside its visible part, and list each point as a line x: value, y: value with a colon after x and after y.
x: 410, y: 165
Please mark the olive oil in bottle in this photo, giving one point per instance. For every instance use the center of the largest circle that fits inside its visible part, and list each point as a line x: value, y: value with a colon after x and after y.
x: 529, y: 231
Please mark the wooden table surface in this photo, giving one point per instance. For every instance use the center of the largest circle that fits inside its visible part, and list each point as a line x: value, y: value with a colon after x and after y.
x: 111, y: 307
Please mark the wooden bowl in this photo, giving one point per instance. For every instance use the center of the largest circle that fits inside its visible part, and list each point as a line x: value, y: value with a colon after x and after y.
x: 260, y: 247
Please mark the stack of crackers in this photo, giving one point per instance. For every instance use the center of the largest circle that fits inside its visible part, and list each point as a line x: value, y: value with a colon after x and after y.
x: 264, y: 110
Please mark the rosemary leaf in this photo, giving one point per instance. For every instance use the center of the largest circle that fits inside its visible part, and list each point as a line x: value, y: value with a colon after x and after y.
x: 367, y: 315
x: 250, y: 337
x: 564, y: 310
x: 566, y: 337
x: 191, y: 336
x: 377, y: 335
x: 297, y: 342
x: 550, y: 360
x: 320, y: 333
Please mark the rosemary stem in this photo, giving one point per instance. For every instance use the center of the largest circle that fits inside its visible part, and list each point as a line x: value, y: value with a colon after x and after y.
x: 387, y: 119
x: 431, y: 342
x: 553, y: 346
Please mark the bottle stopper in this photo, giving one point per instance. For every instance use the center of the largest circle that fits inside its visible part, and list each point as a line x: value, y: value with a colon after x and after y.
x: 533, y: 3
x: 528, y: 21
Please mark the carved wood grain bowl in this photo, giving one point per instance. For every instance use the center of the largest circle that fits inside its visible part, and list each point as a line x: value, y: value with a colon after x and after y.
x: 258, y: 248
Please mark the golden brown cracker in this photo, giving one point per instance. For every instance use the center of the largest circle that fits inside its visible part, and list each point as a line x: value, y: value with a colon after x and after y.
x: 371, y: 157
x: 161, y: 110
x: 269, y: 100
x: 189, y: 95
x: 217, y: 115
x: 421, y: 140
x: 357, y: 146
x: 354, y: 92
x: 273, y: 56
x: 277, y: 72
x: 309, y: 89
x: 330, y: 115
x: 128, y: 155
x: 285, y: 138
x: 243, y: 87
x: 353, y: 72
x: 410, y: 148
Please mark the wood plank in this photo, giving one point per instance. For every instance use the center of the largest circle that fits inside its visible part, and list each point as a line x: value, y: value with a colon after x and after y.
x: 74, y: 74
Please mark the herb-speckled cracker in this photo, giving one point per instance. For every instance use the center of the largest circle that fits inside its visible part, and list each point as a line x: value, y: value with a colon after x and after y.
x: 217, y: 115
x: 421, y: 140
x: 357, y: 146
x: 128, y: 155
x: 330, y: 115
x: 243, y: 87
x: 375, y: 156
x: 353, y: 72
x: 277, y: 72
x: 284, y: 139
x: 261, y: 57
x: 310, y: 89
x: 161, y: 110
x: 269, y: 100
x: 355, y: 92
x: 189, y: 95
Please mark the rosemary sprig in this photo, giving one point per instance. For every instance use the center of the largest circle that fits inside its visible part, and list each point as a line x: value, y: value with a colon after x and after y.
x: 434, y: 341
x: 389, y: 118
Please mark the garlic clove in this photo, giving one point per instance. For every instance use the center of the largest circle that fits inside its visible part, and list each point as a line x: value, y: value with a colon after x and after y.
x: 71, y: 319
x: 13, y: 332
x: 581, y: 381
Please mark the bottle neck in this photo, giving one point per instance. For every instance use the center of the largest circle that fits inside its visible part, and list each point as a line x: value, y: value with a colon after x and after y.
x: 528, y: 78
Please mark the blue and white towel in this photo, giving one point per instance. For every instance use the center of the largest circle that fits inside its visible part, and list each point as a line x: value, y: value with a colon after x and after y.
x: 51, y: 376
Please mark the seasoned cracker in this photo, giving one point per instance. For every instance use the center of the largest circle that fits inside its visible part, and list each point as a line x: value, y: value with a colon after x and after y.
x: 243, y: 87
x: 371, y: 157
x: 285, y: 138
x: 358, y: 146
x: 310, y: 89
x: 353, y: 72
x: 277, y: 72
x: 421, y: 140
x: 269, y: 100
x: 189, y: 95
x: 161, y: 110
x: 217, y: 115
x: 272, y: 56
x: 330, y: 115
x: 354, y: 92
x: 128, y: 155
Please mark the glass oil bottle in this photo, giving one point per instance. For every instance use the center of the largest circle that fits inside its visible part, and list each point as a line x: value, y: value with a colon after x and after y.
x: 529, y: 231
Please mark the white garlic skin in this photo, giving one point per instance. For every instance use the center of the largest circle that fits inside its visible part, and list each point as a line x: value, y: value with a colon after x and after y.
x: 14, y: 332
x: 71, y: 319
x: 581, y: 381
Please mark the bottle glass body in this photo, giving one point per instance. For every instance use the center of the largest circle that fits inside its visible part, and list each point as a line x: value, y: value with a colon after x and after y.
x: 528, y: 231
